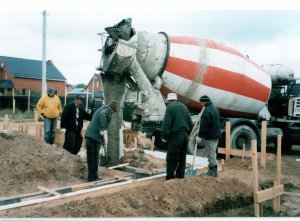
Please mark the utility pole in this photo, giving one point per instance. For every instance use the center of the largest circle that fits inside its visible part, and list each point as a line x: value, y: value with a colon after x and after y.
x: 44, y: 85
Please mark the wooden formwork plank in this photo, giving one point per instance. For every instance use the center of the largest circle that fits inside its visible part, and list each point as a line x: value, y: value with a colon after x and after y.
x: 227, y: 141
x: 53, y: 192
x: 79, y: 195
x: 247, y: 153
x: 269, y: 193
x: 255, y: 176
x: 243, y: 152
x: 263, y: 143
x: 276, y: 201
x: 118, y: 166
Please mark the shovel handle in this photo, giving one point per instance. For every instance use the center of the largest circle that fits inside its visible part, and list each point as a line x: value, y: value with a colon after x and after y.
x: 197, y: 122
x: 194, y: 156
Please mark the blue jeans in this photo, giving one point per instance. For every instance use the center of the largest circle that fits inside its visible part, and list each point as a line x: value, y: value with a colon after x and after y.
x: 49, y: 129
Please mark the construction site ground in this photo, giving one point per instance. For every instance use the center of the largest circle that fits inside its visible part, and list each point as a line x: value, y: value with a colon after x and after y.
x: 27, y: 162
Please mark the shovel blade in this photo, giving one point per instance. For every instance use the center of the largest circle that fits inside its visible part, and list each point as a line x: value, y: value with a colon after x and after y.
x: 190, y: 172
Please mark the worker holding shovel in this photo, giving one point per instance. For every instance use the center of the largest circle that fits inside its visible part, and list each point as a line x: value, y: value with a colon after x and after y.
x: 177, y: 124
x: 210, y: 132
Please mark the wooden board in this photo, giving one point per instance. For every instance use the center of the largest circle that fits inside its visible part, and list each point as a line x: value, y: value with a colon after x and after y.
x: 247, y: 153
x: 79, y: 195
x: 269, y: 193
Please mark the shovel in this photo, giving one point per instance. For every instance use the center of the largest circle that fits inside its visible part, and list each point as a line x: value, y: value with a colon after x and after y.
x: 192, y: 171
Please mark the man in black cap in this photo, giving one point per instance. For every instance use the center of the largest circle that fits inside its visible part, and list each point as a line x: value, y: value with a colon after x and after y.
x: 71, y: 124
x: 94, y: 137
x: 210, y: 132
x: 49, y: 106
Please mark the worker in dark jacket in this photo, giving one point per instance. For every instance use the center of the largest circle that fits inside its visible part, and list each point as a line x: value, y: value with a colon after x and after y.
x: 177, y: 124
x: 94, y: 137
x: 71, y: 124
x: 210, y: 132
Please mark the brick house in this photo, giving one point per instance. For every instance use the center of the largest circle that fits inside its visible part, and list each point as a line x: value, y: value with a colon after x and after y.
x: 97, y: 89
x: 23, y: 74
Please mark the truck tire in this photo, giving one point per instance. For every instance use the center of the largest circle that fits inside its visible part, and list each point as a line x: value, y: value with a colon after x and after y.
x: 286, y: 145
x: 240, y: 135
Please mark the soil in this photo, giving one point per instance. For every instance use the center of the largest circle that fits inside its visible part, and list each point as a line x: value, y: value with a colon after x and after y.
x: 138, y: 158
x: 27, y: 162
x: 192, y: 195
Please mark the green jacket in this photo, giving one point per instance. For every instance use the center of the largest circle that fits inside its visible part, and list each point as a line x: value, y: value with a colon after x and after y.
x: 99, y: 122
x: 177, y: 118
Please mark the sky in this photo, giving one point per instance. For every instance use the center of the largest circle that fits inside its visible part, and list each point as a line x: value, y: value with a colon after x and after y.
x: 267, y: 31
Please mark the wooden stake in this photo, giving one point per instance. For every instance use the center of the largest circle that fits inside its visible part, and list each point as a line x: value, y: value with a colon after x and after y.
x: 243, y: 153
x: 276, y: 201
x: 222, y: 165
x: 28, y: 108
x: 263, y: 143
x: 227, y: 145
x: 152, y: 143
x: 255, y: 176
x: 135, y: 142
x: 14, y: 106
x: 36, y: 116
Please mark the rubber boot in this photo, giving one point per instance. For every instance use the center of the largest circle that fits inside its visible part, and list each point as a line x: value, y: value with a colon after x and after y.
x: 215, y: 170
x: 212, y: 171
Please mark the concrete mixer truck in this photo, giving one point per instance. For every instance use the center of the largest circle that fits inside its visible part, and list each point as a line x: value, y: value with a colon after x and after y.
x: 153, y: 65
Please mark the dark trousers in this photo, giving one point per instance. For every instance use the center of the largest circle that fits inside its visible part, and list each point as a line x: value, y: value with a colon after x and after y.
x: 176, y: 155
x: 92, y: 151
x: 73, y: 142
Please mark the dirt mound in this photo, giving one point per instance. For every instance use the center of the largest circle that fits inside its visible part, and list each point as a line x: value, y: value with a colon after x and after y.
x: 138, y: 158
x: 192, y: 196
x: 27, y: 162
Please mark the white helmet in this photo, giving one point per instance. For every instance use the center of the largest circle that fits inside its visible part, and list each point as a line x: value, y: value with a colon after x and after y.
x: 172, y: 96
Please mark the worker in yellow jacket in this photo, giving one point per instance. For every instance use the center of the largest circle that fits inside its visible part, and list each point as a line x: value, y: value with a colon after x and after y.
x: 49, y: 107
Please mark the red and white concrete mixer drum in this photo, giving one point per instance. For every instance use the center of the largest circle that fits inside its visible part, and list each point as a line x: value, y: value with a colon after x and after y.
x: 195, y: 67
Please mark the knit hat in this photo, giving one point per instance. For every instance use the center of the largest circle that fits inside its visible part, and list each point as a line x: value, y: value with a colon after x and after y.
x: 113, y: 105
x: 204, y: 98
x: 51, y: 90
x: 172, y: 97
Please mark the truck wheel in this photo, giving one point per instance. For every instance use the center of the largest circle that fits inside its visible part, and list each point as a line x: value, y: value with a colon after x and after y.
x: 286, y: 146
x: 240, y: 135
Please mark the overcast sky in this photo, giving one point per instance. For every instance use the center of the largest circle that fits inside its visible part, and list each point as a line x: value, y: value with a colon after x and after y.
x: 269, y: 32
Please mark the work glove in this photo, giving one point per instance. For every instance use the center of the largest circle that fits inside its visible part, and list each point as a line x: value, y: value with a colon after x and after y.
x: 198, y: 139
x: 63, y: 130
x: 165, y: 141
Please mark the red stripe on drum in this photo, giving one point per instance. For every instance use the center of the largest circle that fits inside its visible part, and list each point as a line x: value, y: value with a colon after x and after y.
x: 210, y: 44
x: 218, y: 78
x: 197, y: 106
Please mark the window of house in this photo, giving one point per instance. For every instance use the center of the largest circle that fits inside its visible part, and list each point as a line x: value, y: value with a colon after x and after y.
x: 24, y: 91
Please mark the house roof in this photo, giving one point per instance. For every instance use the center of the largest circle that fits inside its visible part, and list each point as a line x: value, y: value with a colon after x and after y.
x: 27, y: 68
x: 77, y: 91
x: 6, y: 84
